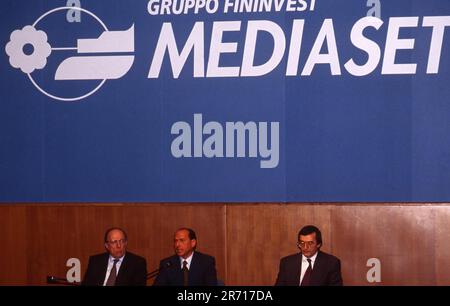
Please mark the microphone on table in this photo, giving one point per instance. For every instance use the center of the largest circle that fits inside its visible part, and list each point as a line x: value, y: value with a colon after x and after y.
x: 156, y: 272
x: 60, y: 281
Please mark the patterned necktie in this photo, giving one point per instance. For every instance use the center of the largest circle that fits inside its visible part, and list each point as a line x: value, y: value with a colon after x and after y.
x: 307, y: 277
x: 112, y: 275
x: 185, y: 274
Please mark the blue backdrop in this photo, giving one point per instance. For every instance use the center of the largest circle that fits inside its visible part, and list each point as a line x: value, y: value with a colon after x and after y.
x: 171, y: 135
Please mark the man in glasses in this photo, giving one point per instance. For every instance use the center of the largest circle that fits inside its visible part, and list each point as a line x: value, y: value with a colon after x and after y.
x: 116, y: 267
x: 310, y: 267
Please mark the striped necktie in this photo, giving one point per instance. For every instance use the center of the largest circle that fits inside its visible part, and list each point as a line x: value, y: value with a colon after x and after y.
x: 185, y: 274
x: 113, y: 274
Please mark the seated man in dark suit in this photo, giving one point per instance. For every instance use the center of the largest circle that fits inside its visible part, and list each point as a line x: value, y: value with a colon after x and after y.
x: 116, y: 267
x: 310, y: 267
x: 187, y: 267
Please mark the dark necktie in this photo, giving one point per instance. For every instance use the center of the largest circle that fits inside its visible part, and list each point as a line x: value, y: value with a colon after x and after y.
x: 112, y: 275
x: 185, y: 274
x: 307, y: 277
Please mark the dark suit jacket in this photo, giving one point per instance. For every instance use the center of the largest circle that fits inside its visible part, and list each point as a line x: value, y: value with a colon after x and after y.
x: 132, y: 272
x: 202, y: 271
x: 326, y: 271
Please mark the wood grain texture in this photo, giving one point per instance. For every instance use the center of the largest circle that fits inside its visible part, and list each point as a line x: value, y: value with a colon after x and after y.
x: 410, y: 240
x: 442, y: 245
x: 259, y: 235
x: 401, y: 237
x: 14, y: 242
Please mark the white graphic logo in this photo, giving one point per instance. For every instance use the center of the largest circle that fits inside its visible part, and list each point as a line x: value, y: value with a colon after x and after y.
x: 29, y: 49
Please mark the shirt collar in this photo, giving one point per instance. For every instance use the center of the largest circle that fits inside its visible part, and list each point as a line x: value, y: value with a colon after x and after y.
x: 189, y: 260
x: 313, y: 258
x: 111, y: 259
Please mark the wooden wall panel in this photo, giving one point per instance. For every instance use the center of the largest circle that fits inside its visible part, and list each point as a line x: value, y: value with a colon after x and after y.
x: 259, y: 235
x: 13, y: 239
x: 411, y: 241
x: 442, y: 242
x: 401, y: 237
x: 60, y: 232
x: 41, y: 238
x: 155, y: 235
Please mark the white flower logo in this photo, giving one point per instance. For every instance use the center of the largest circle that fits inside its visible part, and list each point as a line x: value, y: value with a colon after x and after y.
x: 29, y: 49
x: 28, y: 62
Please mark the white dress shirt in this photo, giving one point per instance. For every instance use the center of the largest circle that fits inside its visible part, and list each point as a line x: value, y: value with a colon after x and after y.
x: 110, y: 266
x: 189, y: 259
x: 305, y: 265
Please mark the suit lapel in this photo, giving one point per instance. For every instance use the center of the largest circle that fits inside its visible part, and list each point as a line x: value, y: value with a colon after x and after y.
x: 297, y: 270
x: 316, y: 272
x: 176, y: 272
x: 193, y: 269
x: 122, y: 270
x: 104, y: 269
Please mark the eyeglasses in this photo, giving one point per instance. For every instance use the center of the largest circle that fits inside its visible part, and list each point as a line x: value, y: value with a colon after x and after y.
x: 302, y: 244
x: 117, y: 242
